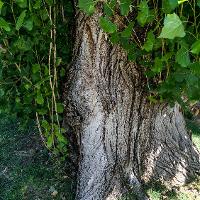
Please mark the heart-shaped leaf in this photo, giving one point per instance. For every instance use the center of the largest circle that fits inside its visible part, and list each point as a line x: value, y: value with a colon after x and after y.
x: 173, y: 27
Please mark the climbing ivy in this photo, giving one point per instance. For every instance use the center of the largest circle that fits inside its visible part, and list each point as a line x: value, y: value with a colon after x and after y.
x: 35, y: 50
x: 162, y: 37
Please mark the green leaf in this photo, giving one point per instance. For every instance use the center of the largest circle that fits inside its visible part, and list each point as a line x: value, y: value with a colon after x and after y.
x: 39, y: 99
x: 22, y: 44
x: 37, y: 4
x: 45, y: 124
x: 133, y: 53
x: 4, y: 25
x: 50, y: 141
x: 148, y: 45
x: 107, y: 9
x: 192, y: 80
x: 27, y: 86
x: 2, y: 92
x: 17, y: 100
x: 107, y: 25
x: 21, y: 3
x: 49, y: 2
x: 173, y: 27
x: 158, y: 65
x: 60, y: 137
x: 58, y: 61
x: 196, y: 47
x: 88, y: 6
x: 152, y: 99
x: 143, y: 13
x: 115, y: 37
x: 20, y: 20
x: 198, y: 3
x: 42, y: 111
x: 125, y: 7
x: 60, y: 107
x: 28, y: 24
x: 169, y: 5
x: 1, y: 5
x: 62, y: 72
x: 35, y: 68
x: 128, y: 30
x: 195, y: 68
x: 182, y: 56
x: 181, y: 1
x: 167, y: 57
x: 179, y: 77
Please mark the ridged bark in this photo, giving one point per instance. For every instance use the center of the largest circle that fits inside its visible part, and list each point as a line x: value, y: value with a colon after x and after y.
x: 123, y: 139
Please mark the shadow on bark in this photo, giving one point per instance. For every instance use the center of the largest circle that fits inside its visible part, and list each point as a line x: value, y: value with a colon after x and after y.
x: 175, y: 159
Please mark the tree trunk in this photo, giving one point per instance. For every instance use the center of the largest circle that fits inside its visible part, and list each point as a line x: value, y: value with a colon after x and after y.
x: 123, y: 139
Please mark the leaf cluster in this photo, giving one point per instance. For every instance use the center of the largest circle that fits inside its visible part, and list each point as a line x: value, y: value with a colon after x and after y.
x: 163, y: 38
x: 35, y: 49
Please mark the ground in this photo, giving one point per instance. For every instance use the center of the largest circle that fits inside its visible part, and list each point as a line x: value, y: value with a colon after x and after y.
x: 29, y: 172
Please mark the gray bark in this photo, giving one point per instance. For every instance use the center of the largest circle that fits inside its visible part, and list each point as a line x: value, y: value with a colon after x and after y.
x: 123, y: 139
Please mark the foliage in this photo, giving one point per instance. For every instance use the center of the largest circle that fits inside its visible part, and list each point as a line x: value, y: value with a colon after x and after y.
x: 163, y: 38
x: 35, y: 49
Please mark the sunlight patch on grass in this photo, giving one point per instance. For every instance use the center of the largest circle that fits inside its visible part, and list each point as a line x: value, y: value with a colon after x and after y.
x: 196, y: 140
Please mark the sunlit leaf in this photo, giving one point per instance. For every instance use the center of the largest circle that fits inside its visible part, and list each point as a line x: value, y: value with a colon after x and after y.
x: 143, y: 13
x: 107, y: 25
x: 39, y: 99
x: 125, y: 7
x: 196, y: 47
x: 128, y: 30
x: 20, y: 20
x: 158, y: 65
x: 1, y: 5
x: 50, y: 141
x: 182, y: 56
x: 182, y: 1
x: 173, y: 27
x: 4, y: 25
x: 60, y: 107
x: 87, y: 6
x: 148, y: 45
x: 35, y: 68
x: 169, y: 5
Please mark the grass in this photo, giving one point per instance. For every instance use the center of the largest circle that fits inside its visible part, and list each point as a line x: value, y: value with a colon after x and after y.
x: 188, y: 192
x: 196, y: 140
x: 27, y: 170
